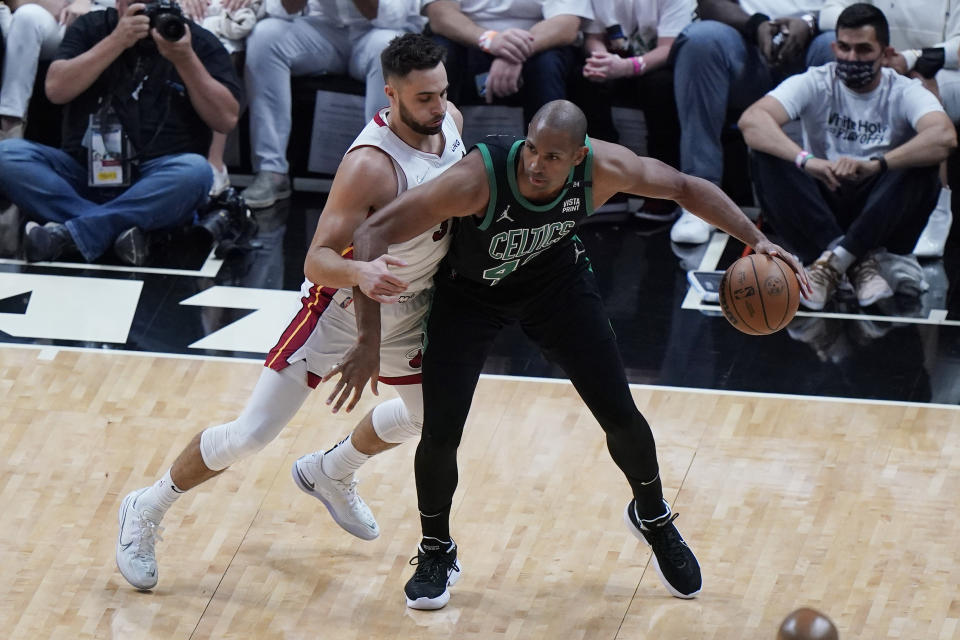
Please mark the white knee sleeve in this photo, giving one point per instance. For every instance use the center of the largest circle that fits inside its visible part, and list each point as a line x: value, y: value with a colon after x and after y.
x: 400, y: 419
x: 273, y: 403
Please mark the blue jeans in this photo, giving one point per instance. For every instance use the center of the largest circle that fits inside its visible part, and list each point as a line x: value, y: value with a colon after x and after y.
x: 49, y: 185
x: 716, y: 70
x: 544, y: 75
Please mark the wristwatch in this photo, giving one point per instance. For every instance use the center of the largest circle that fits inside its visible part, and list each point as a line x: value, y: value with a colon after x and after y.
x: 882, y: 161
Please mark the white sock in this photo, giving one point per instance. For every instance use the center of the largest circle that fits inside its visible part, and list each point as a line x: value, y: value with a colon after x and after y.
x: 159, y: 497
x: 844, y: 258
x: 342, y: 460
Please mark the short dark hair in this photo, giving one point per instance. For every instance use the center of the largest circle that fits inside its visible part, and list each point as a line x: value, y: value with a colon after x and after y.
x: 865, y: 15
x: 409, y: 52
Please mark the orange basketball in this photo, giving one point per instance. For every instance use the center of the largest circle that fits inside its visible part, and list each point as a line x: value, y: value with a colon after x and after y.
x: 759, y: 294
x: 807, y: 624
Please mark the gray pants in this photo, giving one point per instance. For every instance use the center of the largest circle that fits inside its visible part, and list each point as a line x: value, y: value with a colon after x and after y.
x: 278, y: 49
x: 716, y: 70
x: 34, y: 35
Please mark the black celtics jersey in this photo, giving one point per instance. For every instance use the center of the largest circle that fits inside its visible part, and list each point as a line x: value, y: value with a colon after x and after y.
x: 517, y: 239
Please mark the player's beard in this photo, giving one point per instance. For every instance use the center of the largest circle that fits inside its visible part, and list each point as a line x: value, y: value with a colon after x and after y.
x: 418, y: 127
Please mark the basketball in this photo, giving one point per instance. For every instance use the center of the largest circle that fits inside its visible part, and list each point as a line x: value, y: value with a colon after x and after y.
x: 759, y: 294
x: 807, y: 624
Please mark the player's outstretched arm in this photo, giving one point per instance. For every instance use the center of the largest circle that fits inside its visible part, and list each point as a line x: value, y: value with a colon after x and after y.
x: 462, y: 190
x: 617, y: 169
x: 365, y: 181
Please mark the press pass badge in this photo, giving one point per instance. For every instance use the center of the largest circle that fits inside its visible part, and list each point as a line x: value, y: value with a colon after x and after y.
x: 108, y: 156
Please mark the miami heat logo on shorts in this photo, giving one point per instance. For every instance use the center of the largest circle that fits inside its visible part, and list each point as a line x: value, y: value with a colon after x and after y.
x: 414, y: 358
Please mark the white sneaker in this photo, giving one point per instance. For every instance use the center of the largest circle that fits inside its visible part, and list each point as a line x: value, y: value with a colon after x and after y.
x: 824, y: 278
x: 221, y: 180
x: 871, y: 287
x: 689, y: 229
x: 338, y: 496
x: 933, y: 240
x: 138, y: 534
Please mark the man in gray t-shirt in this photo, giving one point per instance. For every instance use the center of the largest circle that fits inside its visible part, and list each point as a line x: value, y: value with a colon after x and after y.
x: 866, y: 179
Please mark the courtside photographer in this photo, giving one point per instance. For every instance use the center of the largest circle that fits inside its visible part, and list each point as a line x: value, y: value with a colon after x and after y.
x: 144, y: 89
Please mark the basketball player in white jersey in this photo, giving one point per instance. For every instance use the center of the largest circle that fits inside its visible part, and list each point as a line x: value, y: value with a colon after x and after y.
x: 413, y: 140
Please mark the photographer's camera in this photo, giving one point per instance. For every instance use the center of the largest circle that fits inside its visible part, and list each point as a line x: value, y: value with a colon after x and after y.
x: 229, y: 221
x: 167, y: 18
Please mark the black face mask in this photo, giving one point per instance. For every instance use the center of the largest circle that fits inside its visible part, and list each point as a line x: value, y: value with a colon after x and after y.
x: 856, y: 73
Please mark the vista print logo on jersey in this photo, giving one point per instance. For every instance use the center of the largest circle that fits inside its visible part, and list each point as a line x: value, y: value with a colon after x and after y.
x: 571, y: 205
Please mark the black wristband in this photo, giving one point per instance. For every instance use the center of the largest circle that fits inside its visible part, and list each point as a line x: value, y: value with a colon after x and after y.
x: 930, y: 61
x: 750, y: 28
x: 882, y: 161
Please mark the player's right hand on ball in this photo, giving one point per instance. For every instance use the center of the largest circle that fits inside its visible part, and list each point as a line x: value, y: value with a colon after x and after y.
x: 771, y: 249
x: 378, y: 283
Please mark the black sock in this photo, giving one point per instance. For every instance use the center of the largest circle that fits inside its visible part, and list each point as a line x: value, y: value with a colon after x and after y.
x: 436, y: 525
x: 649, y: 497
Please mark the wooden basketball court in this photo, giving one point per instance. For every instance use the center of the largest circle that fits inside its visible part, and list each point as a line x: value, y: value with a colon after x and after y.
x: 847, y: 507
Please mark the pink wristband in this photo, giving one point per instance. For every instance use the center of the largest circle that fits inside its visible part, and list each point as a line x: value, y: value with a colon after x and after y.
x: 638, y: 65
x: 801, y: 159
x: 486, y: 39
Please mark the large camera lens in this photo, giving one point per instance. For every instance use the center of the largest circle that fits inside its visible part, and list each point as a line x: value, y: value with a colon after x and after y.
x: 170, y: 26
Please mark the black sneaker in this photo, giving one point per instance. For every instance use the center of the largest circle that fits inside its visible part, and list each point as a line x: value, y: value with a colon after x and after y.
x: 437, y: 569
x: 10, y: 231
x: 674, y: 561
x: 47, y: 243
x: 132, y: 247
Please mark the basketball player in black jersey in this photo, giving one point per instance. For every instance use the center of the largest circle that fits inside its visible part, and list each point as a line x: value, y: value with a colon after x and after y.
x: 514, y: 257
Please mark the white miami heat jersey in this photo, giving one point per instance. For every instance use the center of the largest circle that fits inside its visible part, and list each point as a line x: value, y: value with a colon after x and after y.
x: 414, y: 167
x: 324, y: 327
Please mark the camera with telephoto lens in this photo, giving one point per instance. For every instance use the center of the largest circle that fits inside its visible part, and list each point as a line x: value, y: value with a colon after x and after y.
x: 230, y: 223
x: 167, y: 18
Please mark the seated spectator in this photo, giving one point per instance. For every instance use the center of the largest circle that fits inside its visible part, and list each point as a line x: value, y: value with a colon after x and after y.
x: 331, y: 37
x: 927, y: 45
x: 33, y: 33
x: 231, y: 21
x: 727, y: 61
x: 866, y: 178
x: 502, y: 48
x: 627, y: 48
x: 164, y: 95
